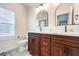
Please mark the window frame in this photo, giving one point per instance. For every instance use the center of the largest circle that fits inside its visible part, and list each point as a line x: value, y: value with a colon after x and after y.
x: 5, y: 35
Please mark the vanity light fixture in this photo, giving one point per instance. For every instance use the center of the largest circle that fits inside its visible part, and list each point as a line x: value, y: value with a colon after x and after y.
x: 41, y: 4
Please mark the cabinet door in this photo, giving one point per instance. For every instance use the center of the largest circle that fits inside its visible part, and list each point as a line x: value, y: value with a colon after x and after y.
x: 57, y: 49
x: 45, y: 45
x: 31, y: 46
x: 73, y: 51
x: 29, y: 41
x: 34, y: 44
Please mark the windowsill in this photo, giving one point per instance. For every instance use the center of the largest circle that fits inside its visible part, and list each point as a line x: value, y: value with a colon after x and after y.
x: 6, y: 37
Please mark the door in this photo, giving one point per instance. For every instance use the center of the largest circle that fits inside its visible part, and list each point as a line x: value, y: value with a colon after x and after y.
x: 31, y: 45
x: 57, y: 49
x: 45, y: 45
x: 73, y: 51
x: 34, y: 44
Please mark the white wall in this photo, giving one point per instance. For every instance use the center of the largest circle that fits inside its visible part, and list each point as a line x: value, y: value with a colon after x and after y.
x: 50, y: 8
x: 21, y: 17
x: 33, y: 22
x: 21, y: 24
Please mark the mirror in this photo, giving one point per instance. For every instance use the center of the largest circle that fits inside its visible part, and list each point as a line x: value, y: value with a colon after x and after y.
x: 42, y: 18
x: 64, y: 13
x: 76, y: 14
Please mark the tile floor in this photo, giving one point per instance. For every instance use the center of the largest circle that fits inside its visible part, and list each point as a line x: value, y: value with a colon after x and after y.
x: 23, y: 54
x: 16, y: 52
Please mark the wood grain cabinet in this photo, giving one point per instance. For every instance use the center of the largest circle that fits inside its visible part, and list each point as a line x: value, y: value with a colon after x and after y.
x: 39, y: 44
x: 52, y: 45
x: 57, y: 49
x: 45, y: 45
x: 34, y: 44
x: 64, y: 45
x: 74, y: 51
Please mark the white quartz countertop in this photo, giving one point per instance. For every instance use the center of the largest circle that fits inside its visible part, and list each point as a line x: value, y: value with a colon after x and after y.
x: 58, y: 33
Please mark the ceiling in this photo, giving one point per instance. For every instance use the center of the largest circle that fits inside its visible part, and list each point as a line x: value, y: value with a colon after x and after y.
x: 30, y: 4
x: 36, y: 4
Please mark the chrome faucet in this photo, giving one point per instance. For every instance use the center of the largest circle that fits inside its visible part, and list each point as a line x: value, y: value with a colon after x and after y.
x: 40, y: 28
x: 65, y: 28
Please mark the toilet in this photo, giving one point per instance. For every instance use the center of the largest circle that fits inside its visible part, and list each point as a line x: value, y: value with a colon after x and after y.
x: 22, y: 44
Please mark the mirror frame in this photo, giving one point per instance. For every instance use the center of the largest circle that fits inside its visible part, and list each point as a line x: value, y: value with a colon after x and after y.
x: 45, y: 21
x: 71, y: 16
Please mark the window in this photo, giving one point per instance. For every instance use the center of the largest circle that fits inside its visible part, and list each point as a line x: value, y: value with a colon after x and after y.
x: 7, y: 22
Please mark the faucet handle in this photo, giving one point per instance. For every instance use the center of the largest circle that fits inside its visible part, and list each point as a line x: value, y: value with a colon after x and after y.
x: 71, y: 30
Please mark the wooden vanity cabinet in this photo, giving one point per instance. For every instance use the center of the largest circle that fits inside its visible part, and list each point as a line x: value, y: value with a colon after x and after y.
x: 57, y: 49
x: 73, y: 51
x: 34, y: 44
x: 45, y: 45
x: 52, y: 45
x: 64, y: 45
x: 39, y: 44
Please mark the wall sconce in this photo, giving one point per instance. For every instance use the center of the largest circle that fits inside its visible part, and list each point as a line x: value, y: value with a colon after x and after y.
x: 76, y: 17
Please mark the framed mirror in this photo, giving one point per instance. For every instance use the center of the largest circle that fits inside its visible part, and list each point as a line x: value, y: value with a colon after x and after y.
x: 64, y: 14
x: 42, y: 18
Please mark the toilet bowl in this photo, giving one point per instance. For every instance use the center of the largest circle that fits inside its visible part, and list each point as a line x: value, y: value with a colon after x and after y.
x: 22, y: 44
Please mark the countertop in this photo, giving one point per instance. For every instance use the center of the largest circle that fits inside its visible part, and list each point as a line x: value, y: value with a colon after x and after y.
x: 76, y: 34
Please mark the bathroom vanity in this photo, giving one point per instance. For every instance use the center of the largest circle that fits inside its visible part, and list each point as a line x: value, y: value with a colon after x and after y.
x: 47, y: 44
x: 56, y: 44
